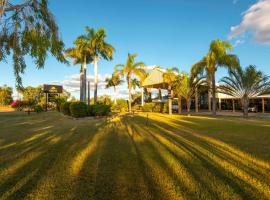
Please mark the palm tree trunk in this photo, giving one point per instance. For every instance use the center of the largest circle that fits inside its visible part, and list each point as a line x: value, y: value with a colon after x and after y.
x: 129, y: 94
x: 81, y: 83
x: 209, y: 101
x: 114, y: 94
x: 170, y: 100
x: 179, y: 104
x: 188, y: 105
x: 95, y: 79
x: 85, y: 84
x: 196, y: 101
x: 245, y: 102
x: 214, y: 106
x: 142, y: 93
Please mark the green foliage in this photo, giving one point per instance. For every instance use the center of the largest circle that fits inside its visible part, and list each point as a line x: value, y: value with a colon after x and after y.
x: 120, y: 106
x: 29, y: 28
x: 38, y: 108
x: 5, y: 95
x: 165, y: 108
x: 100, y: 110
x: 148, y: 107
x: 64, y: 108
x: 131, y: 68
x: 58, y: 101
x: 155, y: 107
x: 33, y: 94
x: 245, y: 84
x: 78, y: 109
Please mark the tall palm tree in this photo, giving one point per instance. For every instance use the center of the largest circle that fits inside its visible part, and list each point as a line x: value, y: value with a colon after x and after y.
x: 245, y: 84
x: 114, y: 81
x: 98, y: 49
x: 169, y: 77
x: 186, y: 86
x: 80, y: 55
x: 217, y: 57
x: 130, y: 69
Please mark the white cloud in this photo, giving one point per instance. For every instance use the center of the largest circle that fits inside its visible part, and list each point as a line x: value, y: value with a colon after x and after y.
x: 72, y: 83
x: 256, y: 20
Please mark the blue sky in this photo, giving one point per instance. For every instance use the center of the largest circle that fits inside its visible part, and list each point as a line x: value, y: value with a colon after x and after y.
x: 162, y: 32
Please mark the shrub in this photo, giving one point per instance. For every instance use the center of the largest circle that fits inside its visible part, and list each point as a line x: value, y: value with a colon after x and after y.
x: 121, y: 105
x: 38, y: 108
x: 148, y: 107
x: 78, y: 109
x: 158, y: 107
x: 136, y: 107
x: 100, y: 110
x: 90, y: 110
x: 64, y: 108
x: 165, y: 108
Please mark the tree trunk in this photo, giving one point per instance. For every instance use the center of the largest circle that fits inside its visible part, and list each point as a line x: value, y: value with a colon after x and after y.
x: 214, y: 106
x: 114, y: 94
x: 85, y: 84
x: 142, y: 93
x: 196, y: 101
x: 88, y: 96
x: 233, y: 105
x: 129, y: 94
x: 179, y: 104
x: 245, y: 106
x: 170, y: 100
x: 188, y: 105
x: 81, y: 83
x: 209, y: 101
x: 95, y: 79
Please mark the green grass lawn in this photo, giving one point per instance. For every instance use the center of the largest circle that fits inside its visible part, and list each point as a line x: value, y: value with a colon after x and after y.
x: 48, y: 156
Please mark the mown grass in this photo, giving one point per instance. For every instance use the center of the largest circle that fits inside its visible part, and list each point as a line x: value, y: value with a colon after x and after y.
x: 48, y: 156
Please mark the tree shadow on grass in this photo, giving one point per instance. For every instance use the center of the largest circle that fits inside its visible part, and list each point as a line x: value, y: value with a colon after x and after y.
x: 240, y: 186
x: 52, y: 151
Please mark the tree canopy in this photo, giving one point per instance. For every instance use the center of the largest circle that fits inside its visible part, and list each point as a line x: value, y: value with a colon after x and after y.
x: 28, y: 28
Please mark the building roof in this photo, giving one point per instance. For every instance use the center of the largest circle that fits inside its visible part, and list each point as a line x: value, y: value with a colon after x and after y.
x: 155, y: 79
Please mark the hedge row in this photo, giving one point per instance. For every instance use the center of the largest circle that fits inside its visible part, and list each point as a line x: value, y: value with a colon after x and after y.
x: 155, y: 107
x: 80, y: 109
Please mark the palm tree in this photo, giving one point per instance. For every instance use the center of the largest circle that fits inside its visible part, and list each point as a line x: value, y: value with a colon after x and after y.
x: 80, y: 55
x: 169, y: 77
x: 186, y: 86
x: 130, y: 69
x: 245, y: 84
x: 217, y: 57
x: 114, y: 81
x: 98, y: 49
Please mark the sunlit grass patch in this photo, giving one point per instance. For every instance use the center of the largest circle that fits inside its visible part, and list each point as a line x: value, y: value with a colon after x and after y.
x: 48, y: 156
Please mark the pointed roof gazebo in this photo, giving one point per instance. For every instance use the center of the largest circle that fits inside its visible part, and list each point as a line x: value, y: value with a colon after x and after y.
x: 155, y: 79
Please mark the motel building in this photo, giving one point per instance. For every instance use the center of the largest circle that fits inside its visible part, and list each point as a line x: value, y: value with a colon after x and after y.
x: 155, y: 83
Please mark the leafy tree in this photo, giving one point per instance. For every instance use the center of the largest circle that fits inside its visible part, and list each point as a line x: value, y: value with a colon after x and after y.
x: 114, y: 81
x: 169, y: 78
x: 245, y: 84
x: 130, y: 69
x: 32, y: 94
x: 217, y: 57
x: 28, y: 28
x: 5, y: 95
